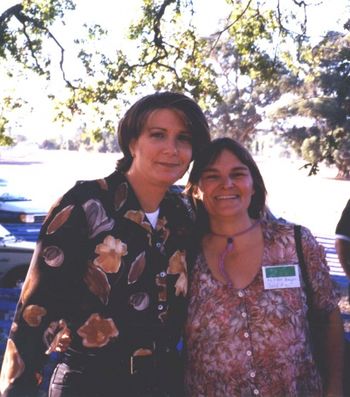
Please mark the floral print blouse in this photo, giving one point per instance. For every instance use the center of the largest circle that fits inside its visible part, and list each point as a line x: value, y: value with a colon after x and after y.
x: 102, y: 271
x: 254, y: 341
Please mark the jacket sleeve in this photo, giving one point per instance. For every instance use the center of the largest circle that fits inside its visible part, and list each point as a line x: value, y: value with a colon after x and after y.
x: 343, y: 226
x: 47, y: 300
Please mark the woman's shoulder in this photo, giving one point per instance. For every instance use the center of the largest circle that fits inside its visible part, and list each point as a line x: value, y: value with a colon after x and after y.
x: 181, y: 201
x: 92, y: 188
x: 283, y: 227
x: 276, y: 225
x: 83, y: 191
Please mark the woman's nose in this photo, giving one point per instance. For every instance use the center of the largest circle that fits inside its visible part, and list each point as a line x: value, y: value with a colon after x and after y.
x: 228, y: 182
x: 172, y: 146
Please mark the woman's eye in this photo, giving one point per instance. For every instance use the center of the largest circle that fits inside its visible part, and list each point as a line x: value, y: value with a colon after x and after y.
x: 157, y: 134
x: 238, y: 175
x: 210, y: 176
x: 185, y: 138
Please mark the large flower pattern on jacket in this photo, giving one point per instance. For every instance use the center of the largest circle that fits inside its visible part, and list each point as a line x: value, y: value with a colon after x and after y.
x: 109, y: 254
x: 98, y: 251
x: 97, y: 218
x: 178, y: 265
x: 97, y: 331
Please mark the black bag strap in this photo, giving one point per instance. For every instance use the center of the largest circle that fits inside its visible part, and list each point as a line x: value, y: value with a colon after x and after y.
x: 302, y: 265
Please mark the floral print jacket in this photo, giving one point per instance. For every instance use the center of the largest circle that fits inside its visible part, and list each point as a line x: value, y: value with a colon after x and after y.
x: 255, y: 341
x: 102, y: 271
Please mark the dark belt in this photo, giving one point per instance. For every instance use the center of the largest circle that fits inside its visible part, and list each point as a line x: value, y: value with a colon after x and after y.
x: 130, y: 365
x: 156, y: 375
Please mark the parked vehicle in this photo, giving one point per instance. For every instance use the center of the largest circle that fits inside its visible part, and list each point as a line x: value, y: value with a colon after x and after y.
x: 15, y: 257
x: 20, y: 214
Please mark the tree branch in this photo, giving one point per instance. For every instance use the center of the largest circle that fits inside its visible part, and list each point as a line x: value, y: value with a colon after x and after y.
x: 31, y: 49
x: 17, y: 12
x: 10, y: 12
x: 221, y: 32
x: 158, y: 38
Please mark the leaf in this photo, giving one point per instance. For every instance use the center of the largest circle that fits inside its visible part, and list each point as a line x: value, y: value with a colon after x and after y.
x: 181, y: 285
x: 146, y: 225
x: 120, y: 195
x: 33, y: 315
x: 162, y: 229
x: 12, y: 366
x: 97, y: 282
x: 177, y: 263
x: 53, y: 256
x: 59, y: 219
x: 139, y: 301
x: 137, y: 268
x: 135, y: 216
x: 142, y: 352
x: 53, y: 334
x: 97, y: 219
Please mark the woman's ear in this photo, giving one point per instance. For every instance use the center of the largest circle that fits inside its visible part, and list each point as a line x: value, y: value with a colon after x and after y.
x: 132, y: 147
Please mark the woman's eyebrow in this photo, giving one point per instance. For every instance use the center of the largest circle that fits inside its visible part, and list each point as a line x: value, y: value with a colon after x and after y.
x: 210, y: 169
x: 155, y: 127
x: 216, y: 169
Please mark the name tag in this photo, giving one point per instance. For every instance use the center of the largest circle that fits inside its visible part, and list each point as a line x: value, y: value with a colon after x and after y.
x: 281, y: 276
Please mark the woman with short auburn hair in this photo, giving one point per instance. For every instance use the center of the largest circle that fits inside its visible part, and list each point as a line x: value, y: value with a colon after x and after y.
x: 109, y: 274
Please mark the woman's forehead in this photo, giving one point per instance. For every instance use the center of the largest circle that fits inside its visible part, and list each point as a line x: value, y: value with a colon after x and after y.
x: 225, y: 156
x: 179, y: 113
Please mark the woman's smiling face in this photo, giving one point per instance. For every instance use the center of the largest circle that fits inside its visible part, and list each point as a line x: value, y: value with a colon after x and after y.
x: 226, y: 186
x: 163, y: 151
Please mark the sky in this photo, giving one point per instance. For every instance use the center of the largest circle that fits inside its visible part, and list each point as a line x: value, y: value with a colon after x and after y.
x: 330, y: 14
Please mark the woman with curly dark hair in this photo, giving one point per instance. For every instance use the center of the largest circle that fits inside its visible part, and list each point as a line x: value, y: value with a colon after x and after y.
x: 247, y: 331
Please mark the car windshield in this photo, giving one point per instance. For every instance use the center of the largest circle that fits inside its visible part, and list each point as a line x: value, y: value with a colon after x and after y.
x: 12, y: 197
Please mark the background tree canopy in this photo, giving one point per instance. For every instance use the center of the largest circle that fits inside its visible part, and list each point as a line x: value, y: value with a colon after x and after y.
x: 257, y: 55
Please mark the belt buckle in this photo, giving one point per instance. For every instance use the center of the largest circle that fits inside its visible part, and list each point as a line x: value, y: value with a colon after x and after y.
x: 141, y: 363
x: 133, y: 370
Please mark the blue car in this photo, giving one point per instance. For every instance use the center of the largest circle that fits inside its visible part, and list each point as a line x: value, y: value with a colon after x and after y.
x: 15, y: 257
x: 20, y: 214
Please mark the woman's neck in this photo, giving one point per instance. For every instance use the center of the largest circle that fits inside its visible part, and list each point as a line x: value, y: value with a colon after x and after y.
x: 225, y: 227
x: 148, y: 196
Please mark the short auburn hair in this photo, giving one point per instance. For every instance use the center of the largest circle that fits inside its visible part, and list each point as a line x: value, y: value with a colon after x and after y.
x: 131, y: 125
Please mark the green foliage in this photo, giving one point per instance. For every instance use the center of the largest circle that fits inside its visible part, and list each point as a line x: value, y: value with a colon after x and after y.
x: 257, y: 54
x: 24, y: 28
x: 326, y: 108
x: 338, y: 147
x: 311, y: 150
x: 6, y: 103
x: 324, y: 98
x: 5, y: 140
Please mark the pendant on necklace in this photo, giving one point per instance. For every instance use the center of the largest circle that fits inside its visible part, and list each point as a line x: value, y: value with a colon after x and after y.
x: 229, y: 248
